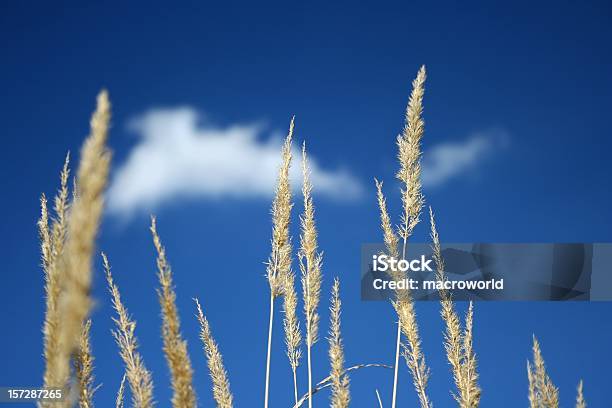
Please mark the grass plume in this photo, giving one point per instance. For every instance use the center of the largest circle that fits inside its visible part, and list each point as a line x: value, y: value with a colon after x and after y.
x: 543, y: 393
x: 458, y: 345
x: 216, y: 369
x: 409, y: 156
x: 310, y: 266
x: 409, y: 174
x: 340, y: 395
x: 279, y: 263
x: 119, y: 400
x: 73, y: 265
x: 580, y: 402
x: 52, y: 238
x: 293, y: 335
x: 83, y: 368
x: 139, y: 378
x: 175, y: 347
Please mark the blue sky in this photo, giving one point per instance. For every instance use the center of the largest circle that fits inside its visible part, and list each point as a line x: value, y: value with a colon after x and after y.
x: 527, y: 84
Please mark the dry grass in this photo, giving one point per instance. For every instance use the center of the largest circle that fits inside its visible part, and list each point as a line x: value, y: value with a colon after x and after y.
x: 340, y: 395
x: 83, y: 368
x: 278, y: 269
x: 68, y: 241
x: 310, y: 266
x: 409, y: 174
x: 175, y: 347
x: 580, y: 402
x: 542, y: 391
x: 139, y: 378
x: 119, y: 400
x: 216, y: 369
x: 293, y: 335
x: 458, y: 345
x: 279, y: 263
x: 67, y: 250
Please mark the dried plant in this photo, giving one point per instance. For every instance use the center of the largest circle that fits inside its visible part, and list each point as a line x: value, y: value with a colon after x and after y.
x: 70, y: 272
x: 470, y: 373
x: 327, y: 381
x: 216, y: 369
x: 139, y: 378
x: 52, y: 292
x: 119, y: 399
x: 175, y: 348
x: 67, y: 244
x: 409, y: 174
x: 533, y: 401
x: 458, y: 345
x: 279, y: 263
x: 52, y: 244
x: 83, y: 368
x: 293, y: 335
x: 409, y: 156
x: 580, y: 402
x: 380, y: 404
x: 340, y: 395
x: 542, y: 392
x: 310, y: 266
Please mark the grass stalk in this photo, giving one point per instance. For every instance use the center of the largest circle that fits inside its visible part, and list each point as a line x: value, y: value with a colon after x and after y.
x: 340, y: 395
x: 310, y: 265
x: 458, y: 345
x: 221, y: 388
x: 380, y: 404
x: 119, y: 402
x: 580, y: 402
x: 269, y: 352
x: 409, y: 174
x: 546, y: 395
x: 72, y: 264
x: 293, y: 336
x: 139, y: 378
x: 279, y: 263
x: 83, y: 368
x: 175, y: 347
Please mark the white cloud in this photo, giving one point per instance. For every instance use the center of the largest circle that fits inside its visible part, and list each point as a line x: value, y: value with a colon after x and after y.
x: 448, y: 160
x: 180, y: 155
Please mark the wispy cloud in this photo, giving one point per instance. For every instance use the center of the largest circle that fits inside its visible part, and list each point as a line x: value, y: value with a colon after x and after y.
x: 181, y: 155
x: 446, y: 161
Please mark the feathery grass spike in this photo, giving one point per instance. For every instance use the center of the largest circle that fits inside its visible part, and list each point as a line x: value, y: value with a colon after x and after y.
x: 175, y: 347
x: 293, y: 335
x: 52, y: 243
x: 340, y: 395
x: 83, y: 367
x: 546, y: 394
x: 470, y: 373
x: 279, y: 263
x: 580, y: 402
x: 216, y: 369
x: 74, y: 268
x: 139, y: 378
x: 310, y: 266
x: 533, y: 401
x: 458, y: 345
x: 409, y: 156
x: 61, y: 205
x: 119, y: 401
